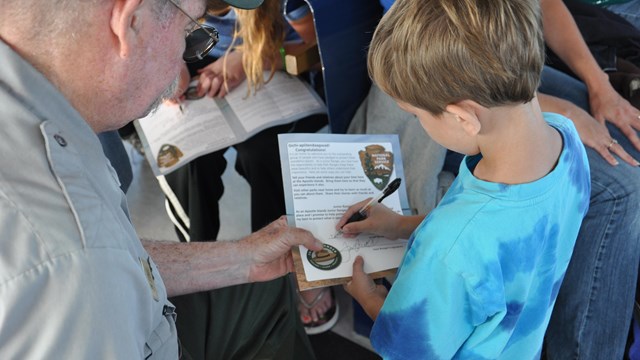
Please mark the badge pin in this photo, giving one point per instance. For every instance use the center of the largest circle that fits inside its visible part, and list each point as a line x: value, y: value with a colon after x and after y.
x: 148, y: 272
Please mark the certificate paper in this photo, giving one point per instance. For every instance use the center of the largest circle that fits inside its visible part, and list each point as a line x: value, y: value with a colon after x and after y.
x: 323, y: 175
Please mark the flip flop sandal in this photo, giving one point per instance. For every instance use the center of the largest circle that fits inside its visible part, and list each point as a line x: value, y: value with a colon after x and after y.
x: 327, y: 320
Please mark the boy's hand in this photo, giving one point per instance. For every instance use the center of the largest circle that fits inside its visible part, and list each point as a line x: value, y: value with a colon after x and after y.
x: 380, y: 220
x: 366, y: 292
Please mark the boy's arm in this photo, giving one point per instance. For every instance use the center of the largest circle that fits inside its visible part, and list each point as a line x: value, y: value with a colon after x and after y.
x: 380, y: 220
x: 563, y: 37
x: 366, y: 292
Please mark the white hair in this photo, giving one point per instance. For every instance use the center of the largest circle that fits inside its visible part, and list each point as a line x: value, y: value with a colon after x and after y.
x: 56, y: 19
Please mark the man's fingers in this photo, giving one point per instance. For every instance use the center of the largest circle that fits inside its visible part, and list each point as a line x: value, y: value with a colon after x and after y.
x: 305, y: 238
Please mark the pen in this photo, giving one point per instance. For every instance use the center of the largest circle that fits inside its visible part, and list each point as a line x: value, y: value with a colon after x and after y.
x: 362, y: 213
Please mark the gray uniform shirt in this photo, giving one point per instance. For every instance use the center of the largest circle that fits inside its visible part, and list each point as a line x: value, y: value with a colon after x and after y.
x: 75, y: 281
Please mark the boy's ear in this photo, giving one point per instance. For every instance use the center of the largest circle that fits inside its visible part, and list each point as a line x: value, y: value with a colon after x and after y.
x: 125, y: 24
x: 465, y: 112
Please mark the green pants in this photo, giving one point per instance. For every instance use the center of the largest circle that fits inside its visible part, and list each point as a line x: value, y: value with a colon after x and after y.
x: 251, y: 321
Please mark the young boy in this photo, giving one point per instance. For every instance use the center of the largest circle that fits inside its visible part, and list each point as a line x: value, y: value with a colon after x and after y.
x: 482, y: 271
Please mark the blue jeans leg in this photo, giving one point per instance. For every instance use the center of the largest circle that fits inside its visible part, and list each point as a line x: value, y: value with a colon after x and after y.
x: 593, y: 311
x: 629, y: 10
x: 556, y: 83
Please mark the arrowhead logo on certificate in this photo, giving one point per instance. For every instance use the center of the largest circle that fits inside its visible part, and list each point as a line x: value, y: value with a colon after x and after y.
x: 324, y: 174
x: 377, y: 164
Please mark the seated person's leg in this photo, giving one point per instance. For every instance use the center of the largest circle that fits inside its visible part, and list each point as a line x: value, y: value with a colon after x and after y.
x: 198, y: 187
x: 556, y: 83
x: 251, y: 321
x: 629, y: 10
x: 594, y: 306
x: 244, y: 321
x: 258, y: 161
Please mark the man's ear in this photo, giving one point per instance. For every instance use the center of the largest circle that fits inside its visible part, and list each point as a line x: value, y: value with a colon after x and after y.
x: 125, y: 23
x: 466, y: 113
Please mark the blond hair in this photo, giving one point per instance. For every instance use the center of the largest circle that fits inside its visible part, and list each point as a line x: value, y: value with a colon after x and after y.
x: 431, y: 53
x: 262, y: 32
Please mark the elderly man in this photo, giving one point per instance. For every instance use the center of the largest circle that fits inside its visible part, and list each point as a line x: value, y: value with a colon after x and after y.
x: 75, y: 280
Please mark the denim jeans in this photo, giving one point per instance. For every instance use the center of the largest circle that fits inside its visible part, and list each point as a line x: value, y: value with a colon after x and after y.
x: 594, y: 308
x: 629, y: 10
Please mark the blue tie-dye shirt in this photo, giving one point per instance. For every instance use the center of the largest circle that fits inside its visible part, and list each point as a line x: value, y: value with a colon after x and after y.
x: 482, y: 271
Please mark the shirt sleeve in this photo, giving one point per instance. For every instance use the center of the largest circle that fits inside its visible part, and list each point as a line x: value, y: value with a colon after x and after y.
x: 296, y: 9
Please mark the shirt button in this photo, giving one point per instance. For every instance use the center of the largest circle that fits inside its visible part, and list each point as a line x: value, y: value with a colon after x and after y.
x: 61, y: 141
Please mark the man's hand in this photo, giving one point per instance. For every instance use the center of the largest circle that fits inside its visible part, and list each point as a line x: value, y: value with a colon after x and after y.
x: 270, y: 249
x: 366, y: 292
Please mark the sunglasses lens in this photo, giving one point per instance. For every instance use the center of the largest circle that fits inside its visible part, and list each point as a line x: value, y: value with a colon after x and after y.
x: 199, y: 44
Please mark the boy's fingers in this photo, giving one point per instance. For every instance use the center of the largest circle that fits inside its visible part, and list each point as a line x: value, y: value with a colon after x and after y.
x: 352, y: 228
x: 358, y: 267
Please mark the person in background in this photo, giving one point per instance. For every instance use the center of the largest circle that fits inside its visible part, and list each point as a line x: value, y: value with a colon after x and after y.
x: 595, y: 304
x: 628, y: 9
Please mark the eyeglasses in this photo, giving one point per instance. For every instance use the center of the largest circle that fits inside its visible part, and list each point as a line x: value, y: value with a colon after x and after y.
x: 199, y: 41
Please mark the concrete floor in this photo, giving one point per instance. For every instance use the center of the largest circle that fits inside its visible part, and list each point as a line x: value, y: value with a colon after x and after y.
x: 147, y: 206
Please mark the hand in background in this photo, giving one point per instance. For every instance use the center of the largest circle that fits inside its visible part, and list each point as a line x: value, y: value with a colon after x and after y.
x: 183, y: 84
x: 270, y: 249
x: 607, y: 105
x: 366, y: 292
x: 212, y: 80
x: 593, y: 133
